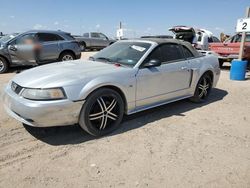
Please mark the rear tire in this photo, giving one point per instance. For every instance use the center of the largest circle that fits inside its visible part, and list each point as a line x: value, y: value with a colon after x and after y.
x: 67, y: 56
x: 102, y: 112
x: 203, y: 89
x: 4, y: 66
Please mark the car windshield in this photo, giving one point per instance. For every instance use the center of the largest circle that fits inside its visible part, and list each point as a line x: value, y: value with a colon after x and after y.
x: 7, y: 38
x: 124, y: 53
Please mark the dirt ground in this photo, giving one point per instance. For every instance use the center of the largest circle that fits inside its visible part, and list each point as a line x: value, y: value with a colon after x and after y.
x: 177, y: 145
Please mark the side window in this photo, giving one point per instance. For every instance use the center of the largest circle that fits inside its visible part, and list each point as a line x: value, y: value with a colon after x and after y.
x: 95, y: 35
x: 25, y: 39
x: 236, y: 38
x: 171, y: 52
x: 48, y: 37
x: 155, y: 54
x: 86, y: 35
x: 210, y: 40
x: 247, y: 38
x: 187, y: 52
x: 215, y: 39
x: 102, y: 36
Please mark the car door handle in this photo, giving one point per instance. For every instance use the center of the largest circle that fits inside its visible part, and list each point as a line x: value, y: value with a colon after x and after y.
x: 184, y: 68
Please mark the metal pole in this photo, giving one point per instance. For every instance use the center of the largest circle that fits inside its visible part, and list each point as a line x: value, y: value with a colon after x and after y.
x: 120, y: 27
x: 243, y: 37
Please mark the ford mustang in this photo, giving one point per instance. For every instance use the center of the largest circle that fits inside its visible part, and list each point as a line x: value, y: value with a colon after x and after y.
x: 124, y: 78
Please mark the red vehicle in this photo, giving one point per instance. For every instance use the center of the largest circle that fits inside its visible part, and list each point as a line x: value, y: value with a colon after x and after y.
x: 229, y: 50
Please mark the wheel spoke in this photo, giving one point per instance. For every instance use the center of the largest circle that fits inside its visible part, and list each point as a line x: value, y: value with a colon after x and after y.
x: 206, y: 86
x: 96, y: 114
x: 201, y: 87
x: 110, y: 117
x: 204, y: 81
x: 103, y: 104
x: 104, y: 122
x: 112, y: 105
x: 201, y: 94
x: 97, y: 117
x: 205, y: 92
x: 1, y: 65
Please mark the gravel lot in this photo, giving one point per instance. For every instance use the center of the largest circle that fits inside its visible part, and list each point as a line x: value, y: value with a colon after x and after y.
x: 177, y: 145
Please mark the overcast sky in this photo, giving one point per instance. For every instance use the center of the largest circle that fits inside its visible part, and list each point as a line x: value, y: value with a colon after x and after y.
x: 139, y: 17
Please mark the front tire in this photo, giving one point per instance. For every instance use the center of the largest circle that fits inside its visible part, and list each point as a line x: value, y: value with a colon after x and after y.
x: 67, y: 56
x: 4, y: 66
x: 203, y: 89
x: 102, y: 112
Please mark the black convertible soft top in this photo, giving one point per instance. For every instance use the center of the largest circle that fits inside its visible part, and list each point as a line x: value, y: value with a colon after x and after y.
x: 176, y: 41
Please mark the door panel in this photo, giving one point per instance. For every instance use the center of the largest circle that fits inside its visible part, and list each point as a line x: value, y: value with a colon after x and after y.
x: 98, y: 40
x: 166, y: 82
x: 49, y: 51
x: 21, y: 50
x: 49, y: 47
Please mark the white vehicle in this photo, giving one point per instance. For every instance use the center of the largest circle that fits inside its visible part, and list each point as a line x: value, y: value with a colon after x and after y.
x: 200, y: 38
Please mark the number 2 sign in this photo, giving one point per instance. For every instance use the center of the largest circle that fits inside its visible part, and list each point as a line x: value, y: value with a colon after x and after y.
x: 243, y: 25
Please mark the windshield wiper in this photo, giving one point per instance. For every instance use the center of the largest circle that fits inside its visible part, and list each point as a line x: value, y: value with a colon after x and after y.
x: 104, y: 58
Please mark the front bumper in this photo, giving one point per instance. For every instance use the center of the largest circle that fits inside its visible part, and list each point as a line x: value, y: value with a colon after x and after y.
x: 41, y: 113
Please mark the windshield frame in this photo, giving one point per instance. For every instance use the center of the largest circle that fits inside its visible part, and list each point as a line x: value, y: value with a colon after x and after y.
x: 137, y: 64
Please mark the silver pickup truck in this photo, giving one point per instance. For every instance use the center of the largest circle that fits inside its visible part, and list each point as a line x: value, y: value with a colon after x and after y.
x: 94, y: 40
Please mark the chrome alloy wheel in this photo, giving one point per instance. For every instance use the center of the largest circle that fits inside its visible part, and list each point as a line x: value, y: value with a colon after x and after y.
x: 67, y: 58
x: 104, y: 112
x: 204, y: 88
x: 1, y: 65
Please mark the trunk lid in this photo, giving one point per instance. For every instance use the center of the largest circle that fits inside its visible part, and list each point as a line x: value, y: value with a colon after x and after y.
x: 183, y: 33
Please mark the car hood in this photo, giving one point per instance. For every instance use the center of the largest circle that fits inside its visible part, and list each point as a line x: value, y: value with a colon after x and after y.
x: 65, y: 73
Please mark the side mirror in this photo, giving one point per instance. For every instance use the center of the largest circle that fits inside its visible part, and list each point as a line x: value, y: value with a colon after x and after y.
x: 12, y: 48
x: 153, y: 63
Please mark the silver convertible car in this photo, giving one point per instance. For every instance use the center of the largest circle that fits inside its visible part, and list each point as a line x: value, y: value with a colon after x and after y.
x: 124, y: 78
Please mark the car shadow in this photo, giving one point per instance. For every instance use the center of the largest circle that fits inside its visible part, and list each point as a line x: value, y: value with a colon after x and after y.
x: 75, y: 135
x: 19, y: 69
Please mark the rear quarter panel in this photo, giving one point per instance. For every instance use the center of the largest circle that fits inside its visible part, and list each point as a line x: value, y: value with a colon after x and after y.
x: 202, y: 64
x: 69, y: 45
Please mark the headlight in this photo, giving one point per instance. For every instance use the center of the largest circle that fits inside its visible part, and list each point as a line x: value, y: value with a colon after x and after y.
x: 43, y: 94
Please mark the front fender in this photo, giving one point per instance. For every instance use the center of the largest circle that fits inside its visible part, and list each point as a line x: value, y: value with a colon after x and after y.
x: 126, y: 85
x: 98, y: 83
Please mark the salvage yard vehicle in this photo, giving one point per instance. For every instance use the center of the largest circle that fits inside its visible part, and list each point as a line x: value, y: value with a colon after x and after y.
x: 37, y: 47
x: 201, y: 38
x: 94, y: 40
x: 124, y: 78
x: 230, y: 49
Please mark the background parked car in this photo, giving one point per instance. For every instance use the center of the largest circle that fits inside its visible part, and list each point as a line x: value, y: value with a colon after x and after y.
x: 229, y: 50
x: 201, y: 38
x: 94, y: 40
x: 37, y: 47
